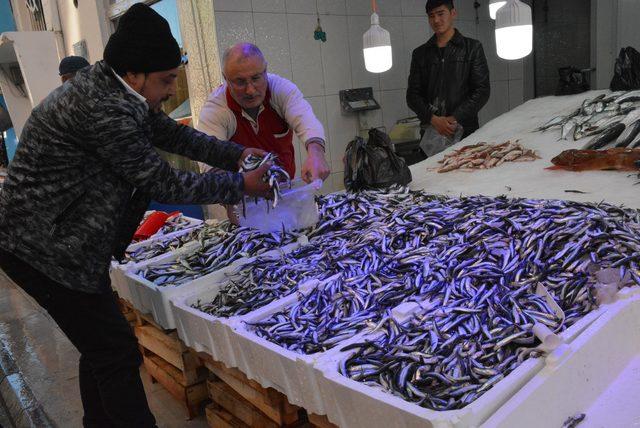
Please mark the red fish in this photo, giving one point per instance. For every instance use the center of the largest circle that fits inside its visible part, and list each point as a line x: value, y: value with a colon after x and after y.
x: 620, y: 159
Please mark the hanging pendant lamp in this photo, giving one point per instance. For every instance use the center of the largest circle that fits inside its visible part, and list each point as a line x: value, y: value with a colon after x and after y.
x: 377, y: 45
x: 514, y: 30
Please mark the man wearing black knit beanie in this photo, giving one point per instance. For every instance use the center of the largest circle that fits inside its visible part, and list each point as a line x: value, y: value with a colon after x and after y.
x: 78, y: 186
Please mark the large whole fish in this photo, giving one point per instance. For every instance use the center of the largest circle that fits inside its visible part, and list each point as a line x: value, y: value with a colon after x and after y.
x: 591, y: 160
x: 607, y: 136
x: 629, y: 134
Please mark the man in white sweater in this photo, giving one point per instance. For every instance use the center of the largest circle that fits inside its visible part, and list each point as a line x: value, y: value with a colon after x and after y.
x: 261, y: 110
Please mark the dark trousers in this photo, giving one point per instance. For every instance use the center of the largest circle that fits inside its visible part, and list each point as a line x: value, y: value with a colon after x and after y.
x: 110, y: 385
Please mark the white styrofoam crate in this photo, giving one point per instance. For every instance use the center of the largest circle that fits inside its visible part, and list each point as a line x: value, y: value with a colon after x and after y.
x: 289, y: 372
x: 599, y: 376
x: 342, y: 395
x: 147, y: 297
x: 192, y: 222
x: 353, y: 404
x: 204, y: 332
x: 118, y: 270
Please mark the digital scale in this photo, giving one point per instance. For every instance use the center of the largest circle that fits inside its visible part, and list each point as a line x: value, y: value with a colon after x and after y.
x: 357, y: 100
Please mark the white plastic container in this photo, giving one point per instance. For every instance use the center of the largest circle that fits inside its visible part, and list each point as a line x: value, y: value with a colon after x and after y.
x: 289, y: 372
x: 117, y: 270
x: 296, y: 209
x: 350, y: 403
x: 598, y: 376
x: 204, y: 332
x: 342, y: 395
x: 147, y: 297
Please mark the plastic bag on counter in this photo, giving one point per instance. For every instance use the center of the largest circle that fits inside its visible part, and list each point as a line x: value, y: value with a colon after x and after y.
x: 297, y: 209
x: 571, y: 81
x: 373, y: 164
x: 433, y: 142
x: 626, y: 75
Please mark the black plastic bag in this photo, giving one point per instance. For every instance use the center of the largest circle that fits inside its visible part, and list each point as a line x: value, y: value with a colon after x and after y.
x: 626, y: 75
x: 373, y: 164
x: 571, y: 81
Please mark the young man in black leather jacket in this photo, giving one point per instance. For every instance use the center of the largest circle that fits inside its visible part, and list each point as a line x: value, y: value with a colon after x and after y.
x: 449, y: 77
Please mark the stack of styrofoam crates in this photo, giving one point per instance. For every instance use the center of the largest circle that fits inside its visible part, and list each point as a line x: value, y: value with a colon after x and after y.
x: 313, y: 381
x: 150, y: 298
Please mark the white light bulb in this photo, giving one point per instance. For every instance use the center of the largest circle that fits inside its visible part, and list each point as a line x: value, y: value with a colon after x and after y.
x: 514, y: 30
x: 378, y: 59
x: 494, y: 5
x: 377, y: 51
x: 514, y: 42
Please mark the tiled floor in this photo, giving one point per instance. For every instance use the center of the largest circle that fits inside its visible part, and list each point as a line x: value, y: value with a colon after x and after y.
x: 49, y: 364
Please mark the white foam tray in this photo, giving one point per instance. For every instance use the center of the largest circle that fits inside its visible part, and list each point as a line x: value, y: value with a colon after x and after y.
x: 599, y: 376
x: 204, y: 332
x: 147, y: 297
x: 271, y: 365
x: 117, y: 270
x: 312, y: 381
x: 343, y: 395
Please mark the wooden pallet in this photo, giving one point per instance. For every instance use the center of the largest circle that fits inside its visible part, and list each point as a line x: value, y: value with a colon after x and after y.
x: 127, y: 310
x: 269, y: 402
x: 191, y: 396
x: 169, y: 362
x: 170, y: 348
x: 242, y: 412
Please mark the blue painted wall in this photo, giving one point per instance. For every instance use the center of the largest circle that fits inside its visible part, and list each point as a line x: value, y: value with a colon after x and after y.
x: 169, y: 11
x: 7, y: 24
x: 6, y: 17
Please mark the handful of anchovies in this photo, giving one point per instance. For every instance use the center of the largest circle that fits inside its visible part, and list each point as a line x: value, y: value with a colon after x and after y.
x: 274, y: 176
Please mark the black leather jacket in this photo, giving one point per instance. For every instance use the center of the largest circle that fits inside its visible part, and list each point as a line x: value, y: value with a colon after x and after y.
x: 459, y: 78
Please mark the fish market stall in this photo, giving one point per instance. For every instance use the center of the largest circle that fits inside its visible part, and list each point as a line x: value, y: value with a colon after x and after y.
x: 496, y: 288
x: 432, y: 308
x: 529, y: 178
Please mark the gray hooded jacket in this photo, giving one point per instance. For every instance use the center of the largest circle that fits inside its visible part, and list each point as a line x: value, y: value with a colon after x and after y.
x: 85, y: 171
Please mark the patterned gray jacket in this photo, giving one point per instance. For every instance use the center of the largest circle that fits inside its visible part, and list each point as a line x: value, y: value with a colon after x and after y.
x: 85, y: 170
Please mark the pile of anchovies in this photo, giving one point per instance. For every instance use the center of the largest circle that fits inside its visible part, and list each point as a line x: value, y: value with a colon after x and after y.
x: 216, y: 253
x: 331, y: 243
x: 140, y: 252
x: 477, y: 263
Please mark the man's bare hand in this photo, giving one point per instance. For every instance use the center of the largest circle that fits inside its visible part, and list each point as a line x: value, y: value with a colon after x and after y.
x: 254, y: 185
x: 315, y: 166
x: 443, y: 125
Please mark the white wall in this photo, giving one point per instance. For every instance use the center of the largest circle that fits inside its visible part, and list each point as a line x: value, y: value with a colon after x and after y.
x: 86, y: 22
x: 283, y: 29
x: 35, y: 52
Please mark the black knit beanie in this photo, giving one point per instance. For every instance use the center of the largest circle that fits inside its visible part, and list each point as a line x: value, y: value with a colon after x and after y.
x: 142, y: 43
x: 71, y: 64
